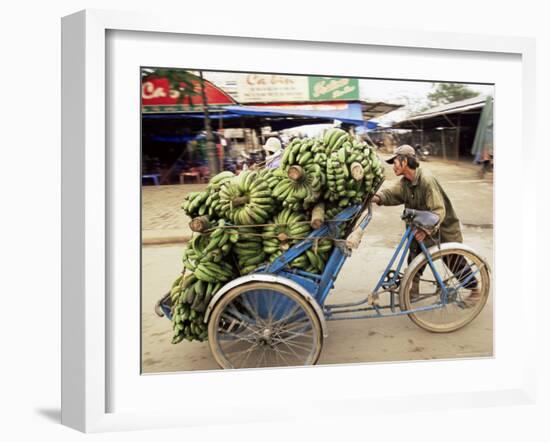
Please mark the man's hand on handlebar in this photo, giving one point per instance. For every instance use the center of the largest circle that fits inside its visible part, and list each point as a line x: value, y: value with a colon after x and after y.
x: 376, y: 199
x: 419, y: 234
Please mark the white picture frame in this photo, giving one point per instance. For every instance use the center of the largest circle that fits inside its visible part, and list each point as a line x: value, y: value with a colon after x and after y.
x: 86, y: 207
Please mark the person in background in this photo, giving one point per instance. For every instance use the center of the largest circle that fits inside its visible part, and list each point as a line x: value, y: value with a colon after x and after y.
x: 274, y: 152
x: 485, y: 160
x: 243, y: 161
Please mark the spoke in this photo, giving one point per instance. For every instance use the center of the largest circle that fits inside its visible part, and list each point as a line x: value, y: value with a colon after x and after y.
x: 468, y: 275
x: 298, y: 357
x: 451, y: 262
x: 261, y: 358
x: 291, y: 334
x: 245, y: 338
x: 232, y: 309
x: 301, y: 347
x: 227, y: 353
x: 279, y: 350
x: 447, y: 270
x: 244, y: 353
x: 279, y: 353
x: 256, y: 297
x: 235, y: 344
x: 248, y: 352
x: 288, y: 316
x: 293, y: 325
x: 249, y: 327
x: 246, y: 304
x: 270, y: 311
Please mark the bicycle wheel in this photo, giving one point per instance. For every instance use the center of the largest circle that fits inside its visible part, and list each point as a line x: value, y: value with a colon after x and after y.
x: 466, y: 278
x: 264, y: 325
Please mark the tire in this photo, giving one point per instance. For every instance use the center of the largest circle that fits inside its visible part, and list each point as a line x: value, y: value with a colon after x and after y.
x: 264, y: 324
x: 458, y: 311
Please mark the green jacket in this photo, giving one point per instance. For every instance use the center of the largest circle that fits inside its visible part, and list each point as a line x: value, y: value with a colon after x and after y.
x: 425, y: 193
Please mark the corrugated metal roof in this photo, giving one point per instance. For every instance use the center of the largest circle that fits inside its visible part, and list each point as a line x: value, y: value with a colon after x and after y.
x: 451, y: 108
x: 376, y: 109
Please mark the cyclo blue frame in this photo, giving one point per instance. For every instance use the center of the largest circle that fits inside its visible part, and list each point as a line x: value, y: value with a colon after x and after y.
x: 320, y: 285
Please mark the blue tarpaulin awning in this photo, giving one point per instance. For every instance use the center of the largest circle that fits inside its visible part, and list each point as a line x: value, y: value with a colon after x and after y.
x: 346, y: 112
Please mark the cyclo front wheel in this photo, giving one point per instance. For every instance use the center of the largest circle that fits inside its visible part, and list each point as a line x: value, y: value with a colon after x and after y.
x: 465, y: 276
x: 264, y: 324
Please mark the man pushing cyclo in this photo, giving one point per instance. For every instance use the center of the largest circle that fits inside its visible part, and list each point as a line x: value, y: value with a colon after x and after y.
x: 424, y: 198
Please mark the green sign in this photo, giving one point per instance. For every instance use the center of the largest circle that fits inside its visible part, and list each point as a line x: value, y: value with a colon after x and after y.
x: 331, y: 88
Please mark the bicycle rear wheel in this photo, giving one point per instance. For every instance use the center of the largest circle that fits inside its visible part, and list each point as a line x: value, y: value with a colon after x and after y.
x: 264, y: 325
x: 466, y: 278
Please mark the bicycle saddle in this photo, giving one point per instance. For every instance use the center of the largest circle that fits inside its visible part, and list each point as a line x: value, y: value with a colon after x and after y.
x: 421, y: 218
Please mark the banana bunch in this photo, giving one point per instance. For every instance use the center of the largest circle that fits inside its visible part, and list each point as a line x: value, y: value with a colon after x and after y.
x: 376, y: 172
x: 187, y: 324
x: 312, y: 262
x: 332, y: 211
x: 337, y: 176
x: 271, y: 177
x: 345, y: 154
x: 300, y: 192
x: 206, y: 256
x: 193, y: 204
x: 246, y: 199
x: 205, y: 253
x: 217, y: 180
x: 249, y: 250
x: 333, y: 139
x: 287, y: 228
x: 318, y: 255
x: 300, y: 152
x: 319, y: 154
x: 304, y: 152
x: 190, y: 296
x: 206, y: 202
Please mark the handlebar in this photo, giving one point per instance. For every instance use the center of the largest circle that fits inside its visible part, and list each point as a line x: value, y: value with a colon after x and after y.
x: 422, y: 219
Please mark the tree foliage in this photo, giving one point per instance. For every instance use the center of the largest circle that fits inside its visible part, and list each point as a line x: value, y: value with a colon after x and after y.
x: 445, y: 93
x: 182, y: 81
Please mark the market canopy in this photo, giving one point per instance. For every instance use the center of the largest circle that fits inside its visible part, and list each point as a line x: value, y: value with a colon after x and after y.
x: 441, y: 115
x: 346, y: 112
x: 274, y: 116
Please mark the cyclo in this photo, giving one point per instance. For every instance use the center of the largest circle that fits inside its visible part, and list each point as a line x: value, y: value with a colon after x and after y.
x: 277, y: 315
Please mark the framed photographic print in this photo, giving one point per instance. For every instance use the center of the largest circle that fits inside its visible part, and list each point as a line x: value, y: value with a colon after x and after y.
x: 271, y: 213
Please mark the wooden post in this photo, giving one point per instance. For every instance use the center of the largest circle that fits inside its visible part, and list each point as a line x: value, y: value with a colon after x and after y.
x: 443, y: 144
x: 210, y: 144
x: 457, y: 141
